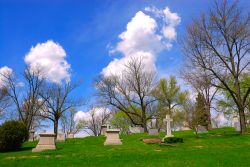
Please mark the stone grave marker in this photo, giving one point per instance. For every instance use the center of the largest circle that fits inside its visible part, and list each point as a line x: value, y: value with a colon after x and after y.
x: 136, y: 129
x: 103, y: 130
x: 237, y: 126
x: 31, y: 135
x: 60, y: 137
x: 46, y: 142
x: 70, y: 136
x: 153, y: 132
x: 168, y: 121
x: 201, y: 129
x: 112, y: 137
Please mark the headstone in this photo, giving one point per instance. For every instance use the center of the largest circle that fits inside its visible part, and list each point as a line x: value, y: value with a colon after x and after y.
x: 153, y: 132
x: 112, y: 137
x: 31, y: 135
x: 46, y: 142
x: 103, y: 129
x: 167, y: 121
x: 237, y: 126
x: 70, y: 135
x: 201, y: 129
x: 60, y: 137
x: 136, y: 129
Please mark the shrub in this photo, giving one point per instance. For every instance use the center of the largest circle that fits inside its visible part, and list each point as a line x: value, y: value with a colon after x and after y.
x: 12, y: 135
x: 173, y: 140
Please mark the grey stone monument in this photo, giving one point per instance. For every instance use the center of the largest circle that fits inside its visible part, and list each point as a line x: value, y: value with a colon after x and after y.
x: 31, y: 135
x: 46, y: 142
x: 201, y: 129
x: 112, y: 137
x: 103, y: 129
x: 168, y: 121
x: 60, y: 137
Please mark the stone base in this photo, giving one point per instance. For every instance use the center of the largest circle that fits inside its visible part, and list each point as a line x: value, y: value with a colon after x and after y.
x: 46, y: 142
x: 43, y: 147
x: 112, y: 137
x: 113, y: 142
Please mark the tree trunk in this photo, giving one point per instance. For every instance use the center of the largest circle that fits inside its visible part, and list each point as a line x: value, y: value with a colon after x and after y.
x: 144, y: 122
x: 55, y: 127
x: 243, y: 127
x: 209, y: 122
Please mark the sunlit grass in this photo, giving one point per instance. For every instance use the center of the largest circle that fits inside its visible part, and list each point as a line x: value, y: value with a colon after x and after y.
x: 220, y: 147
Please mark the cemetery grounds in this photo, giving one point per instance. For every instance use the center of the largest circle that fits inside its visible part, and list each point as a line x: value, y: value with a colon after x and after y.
x: 219, y: 147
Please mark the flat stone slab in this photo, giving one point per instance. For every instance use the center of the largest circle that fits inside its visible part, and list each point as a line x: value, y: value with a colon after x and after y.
x: 46, y: 142
x: 112, y: 137
x: 60, y: 137
x: 136, y: 130
x: 153, y: 132
x: 70, y: 136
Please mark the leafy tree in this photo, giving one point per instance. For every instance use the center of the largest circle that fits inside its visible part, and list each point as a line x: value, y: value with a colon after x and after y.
x: 218, y: 42
x: 169, y: 97
x: 121, y: 120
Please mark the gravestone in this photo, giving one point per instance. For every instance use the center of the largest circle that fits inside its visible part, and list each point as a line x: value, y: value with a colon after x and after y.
x: 153, y: 132
x: 31, y: 135
x: 201, y: 129
x: 70, y: 136
x: 112, y: 137
x: 136, y: 129
x: 103, y: 130
x: 46, y: 142
x: 237, y: 126
x: 60, y: 137
x: 168, y: 121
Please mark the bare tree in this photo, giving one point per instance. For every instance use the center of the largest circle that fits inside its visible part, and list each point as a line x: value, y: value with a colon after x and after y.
x: 26, y: 97
x: 68, y: 122
x: 219, y: 43
x: 94, y: 120
x: 202, y: 83
x: 57, y: 101
x: 129, y: 92
x: 4, y: 99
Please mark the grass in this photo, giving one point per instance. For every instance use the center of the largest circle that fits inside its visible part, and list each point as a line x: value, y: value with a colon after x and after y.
x: 220, y: 147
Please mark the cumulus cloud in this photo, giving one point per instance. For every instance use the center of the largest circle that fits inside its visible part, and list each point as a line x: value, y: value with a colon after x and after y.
x: 49, y: 57
x: 4, y: 71
x: 145, y: 36
x: 86, y: 116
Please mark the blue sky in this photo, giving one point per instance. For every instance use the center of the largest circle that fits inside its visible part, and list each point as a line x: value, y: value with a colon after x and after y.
x: 84, y: 29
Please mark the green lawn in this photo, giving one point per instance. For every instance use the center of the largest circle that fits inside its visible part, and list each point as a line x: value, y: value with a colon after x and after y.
x: 220, y: 147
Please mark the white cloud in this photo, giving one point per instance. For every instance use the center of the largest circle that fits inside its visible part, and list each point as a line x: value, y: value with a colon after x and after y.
x: 145, y: 36
x: 49, y: 57
x: 86, y: 116
x: 4, y: 71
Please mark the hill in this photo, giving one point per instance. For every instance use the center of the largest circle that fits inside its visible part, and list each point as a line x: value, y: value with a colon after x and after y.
x: 219, y: 147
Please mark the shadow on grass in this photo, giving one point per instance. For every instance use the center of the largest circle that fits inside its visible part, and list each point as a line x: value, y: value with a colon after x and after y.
x: 18, y: 150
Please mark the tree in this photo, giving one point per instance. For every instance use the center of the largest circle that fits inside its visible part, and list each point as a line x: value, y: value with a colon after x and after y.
x: 227, y: 104
x: 57, y: 100
x: 196, y: 113
x: 219, y: 43
x: 169, y: 96
x: 26, y: 98
x: 129, y: 92
x: 121, y: 120
x: 94, y: 119
x: 4, y: 99
x: 201, y: 82
x: 68, y: 122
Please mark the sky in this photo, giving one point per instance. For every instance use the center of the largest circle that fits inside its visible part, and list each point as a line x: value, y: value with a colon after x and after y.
x: 82, y: 39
